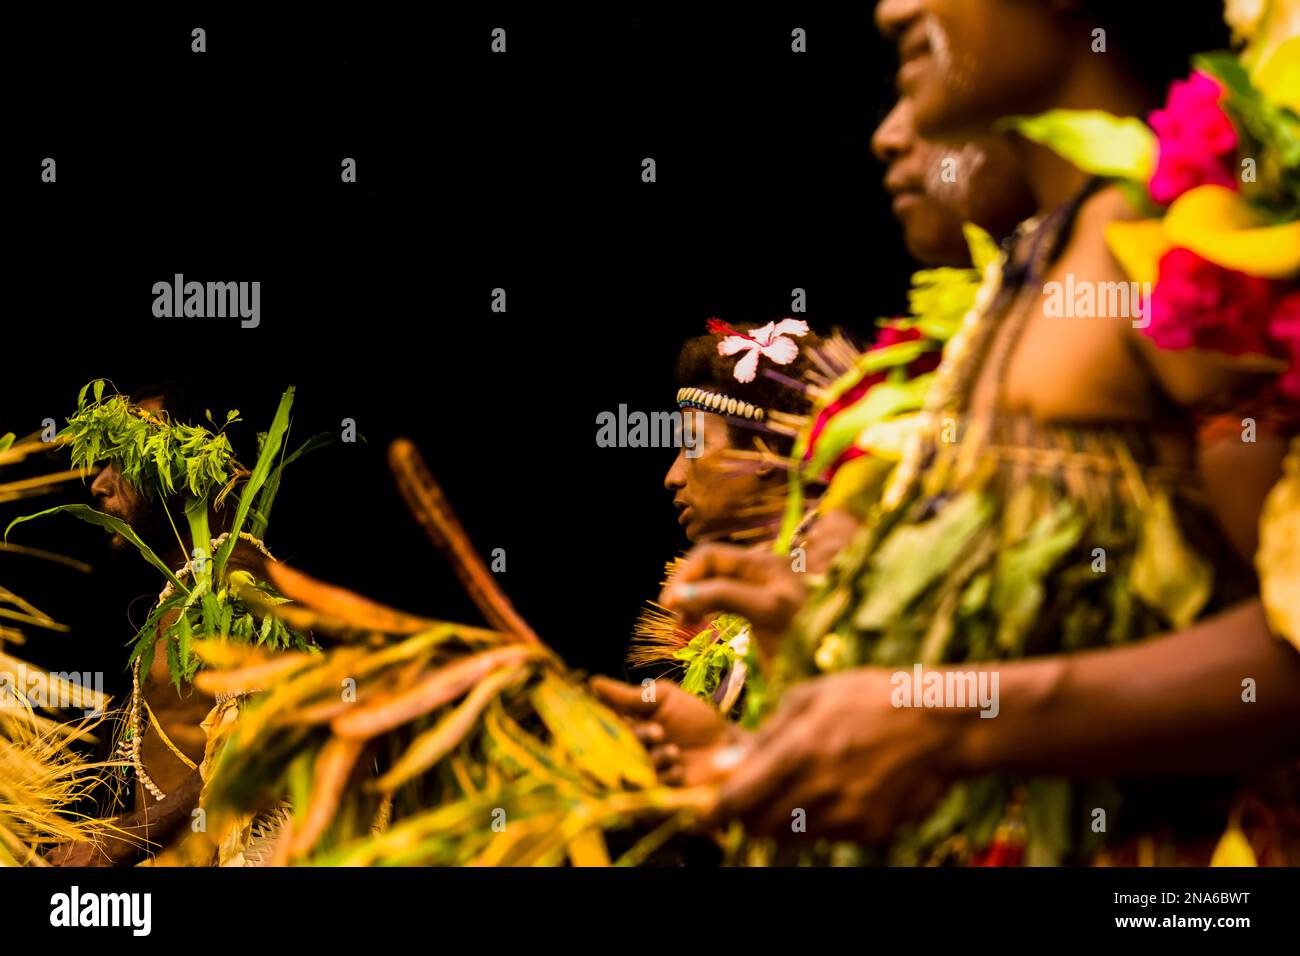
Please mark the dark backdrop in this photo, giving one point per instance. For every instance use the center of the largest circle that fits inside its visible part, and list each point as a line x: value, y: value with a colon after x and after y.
x: 474, y: 171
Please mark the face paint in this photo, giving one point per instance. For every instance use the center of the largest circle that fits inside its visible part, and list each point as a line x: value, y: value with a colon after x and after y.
x: 956, y: 70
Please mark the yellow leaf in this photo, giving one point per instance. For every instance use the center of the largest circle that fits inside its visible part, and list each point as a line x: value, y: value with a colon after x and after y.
x: 887, y: 439
x: 1217, y: 224
x: 440, y: 740
x: 1138, y: 246
x: 855, y: 479
x: 588, y: 849
x: 1278, y: 77
x: 592, y: 734
x: 1094, y: 141
x: 1233, y: 849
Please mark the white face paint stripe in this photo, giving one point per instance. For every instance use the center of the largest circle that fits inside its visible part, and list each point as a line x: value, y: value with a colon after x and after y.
x: 940, y: 47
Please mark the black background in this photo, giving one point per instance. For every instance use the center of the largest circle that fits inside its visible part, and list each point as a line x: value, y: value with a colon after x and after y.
x: 475, y: 171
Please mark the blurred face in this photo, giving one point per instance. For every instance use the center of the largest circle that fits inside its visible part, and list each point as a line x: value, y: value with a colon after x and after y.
x: 937, y: 187
x: 926, y: 204
x: 713, y: 490
x: 966, y: 63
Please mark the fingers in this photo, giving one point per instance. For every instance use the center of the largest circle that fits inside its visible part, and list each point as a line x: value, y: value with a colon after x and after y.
x: 716, y: 561
x: 672, y: 775
x: 649, y: 734
x: 668, y: 764
x: 693, y: 600
x: 624, y: 698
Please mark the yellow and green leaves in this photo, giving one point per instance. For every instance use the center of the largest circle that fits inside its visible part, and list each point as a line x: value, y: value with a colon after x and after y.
x: 590, y: 733
x: 915, y: 555
x: 1094, y: 141
x: 156, y: 455
x: 1168, y: 574
x: 710, y: 655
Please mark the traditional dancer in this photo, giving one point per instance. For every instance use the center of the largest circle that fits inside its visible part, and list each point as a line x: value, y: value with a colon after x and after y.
x: 161, y: 470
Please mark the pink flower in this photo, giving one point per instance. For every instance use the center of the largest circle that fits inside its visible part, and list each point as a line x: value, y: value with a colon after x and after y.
x: 1284, y: 327
x: 1197, y: 304
x: 1198, y: 143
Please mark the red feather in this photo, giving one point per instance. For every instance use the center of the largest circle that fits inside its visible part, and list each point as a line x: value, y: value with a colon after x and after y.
x: 717, y: 327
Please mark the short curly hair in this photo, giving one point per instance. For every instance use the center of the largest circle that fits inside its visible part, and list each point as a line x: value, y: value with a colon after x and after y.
x: 700, y: 366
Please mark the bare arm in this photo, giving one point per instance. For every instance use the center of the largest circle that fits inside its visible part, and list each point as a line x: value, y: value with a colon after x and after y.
x: 153, y: 824
x: 1174, y: 703
x: 838, y: 746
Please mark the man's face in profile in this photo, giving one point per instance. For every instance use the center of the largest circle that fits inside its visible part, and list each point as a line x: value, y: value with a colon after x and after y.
x: 116, y: 496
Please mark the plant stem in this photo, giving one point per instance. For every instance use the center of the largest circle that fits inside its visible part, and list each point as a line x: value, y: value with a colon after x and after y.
x: 162, y: 500
x: 196, y: 513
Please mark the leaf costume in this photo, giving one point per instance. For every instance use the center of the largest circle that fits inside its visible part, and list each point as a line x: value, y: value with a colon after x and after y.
x: 1018, y: 539
x: 214, y: 594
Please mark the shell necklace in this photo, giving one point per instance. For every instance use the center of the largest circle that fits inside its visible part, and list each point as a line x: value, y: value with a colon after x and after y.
x: 130, y: 749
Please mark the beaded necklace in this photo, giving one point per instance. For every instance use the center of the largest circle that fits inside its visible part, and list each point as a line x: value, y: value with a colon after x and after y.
x: 973, y: 345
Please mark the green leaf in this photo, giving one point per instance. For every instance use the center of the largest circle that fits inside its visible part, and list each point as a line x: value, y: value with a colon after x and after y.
x: 1274, y: 126
x: 693, y: 681
x: 1094, y: 141
x: 185, y: 635
x: 262, y: 514
x: 265, y: 460
x: 91, y: 516
x: 1168, y: 574
x: 196, y: 514
x: 174, y: 663
x: 144, y: 450
x: 279, y: 634
x: 6, y: 440
x: 1047, y: 821
x: 882, y: 401
x: 265, y: 631
x: 914, y: 555
x: 1019, y: 590
x: 99, y: 390
x: 148, y: 634
x: 211, y: 614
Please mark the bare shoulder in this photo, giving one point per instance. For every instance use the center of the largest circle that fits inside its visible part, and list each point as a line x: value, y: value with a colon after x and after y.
x: 1074, y: 360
